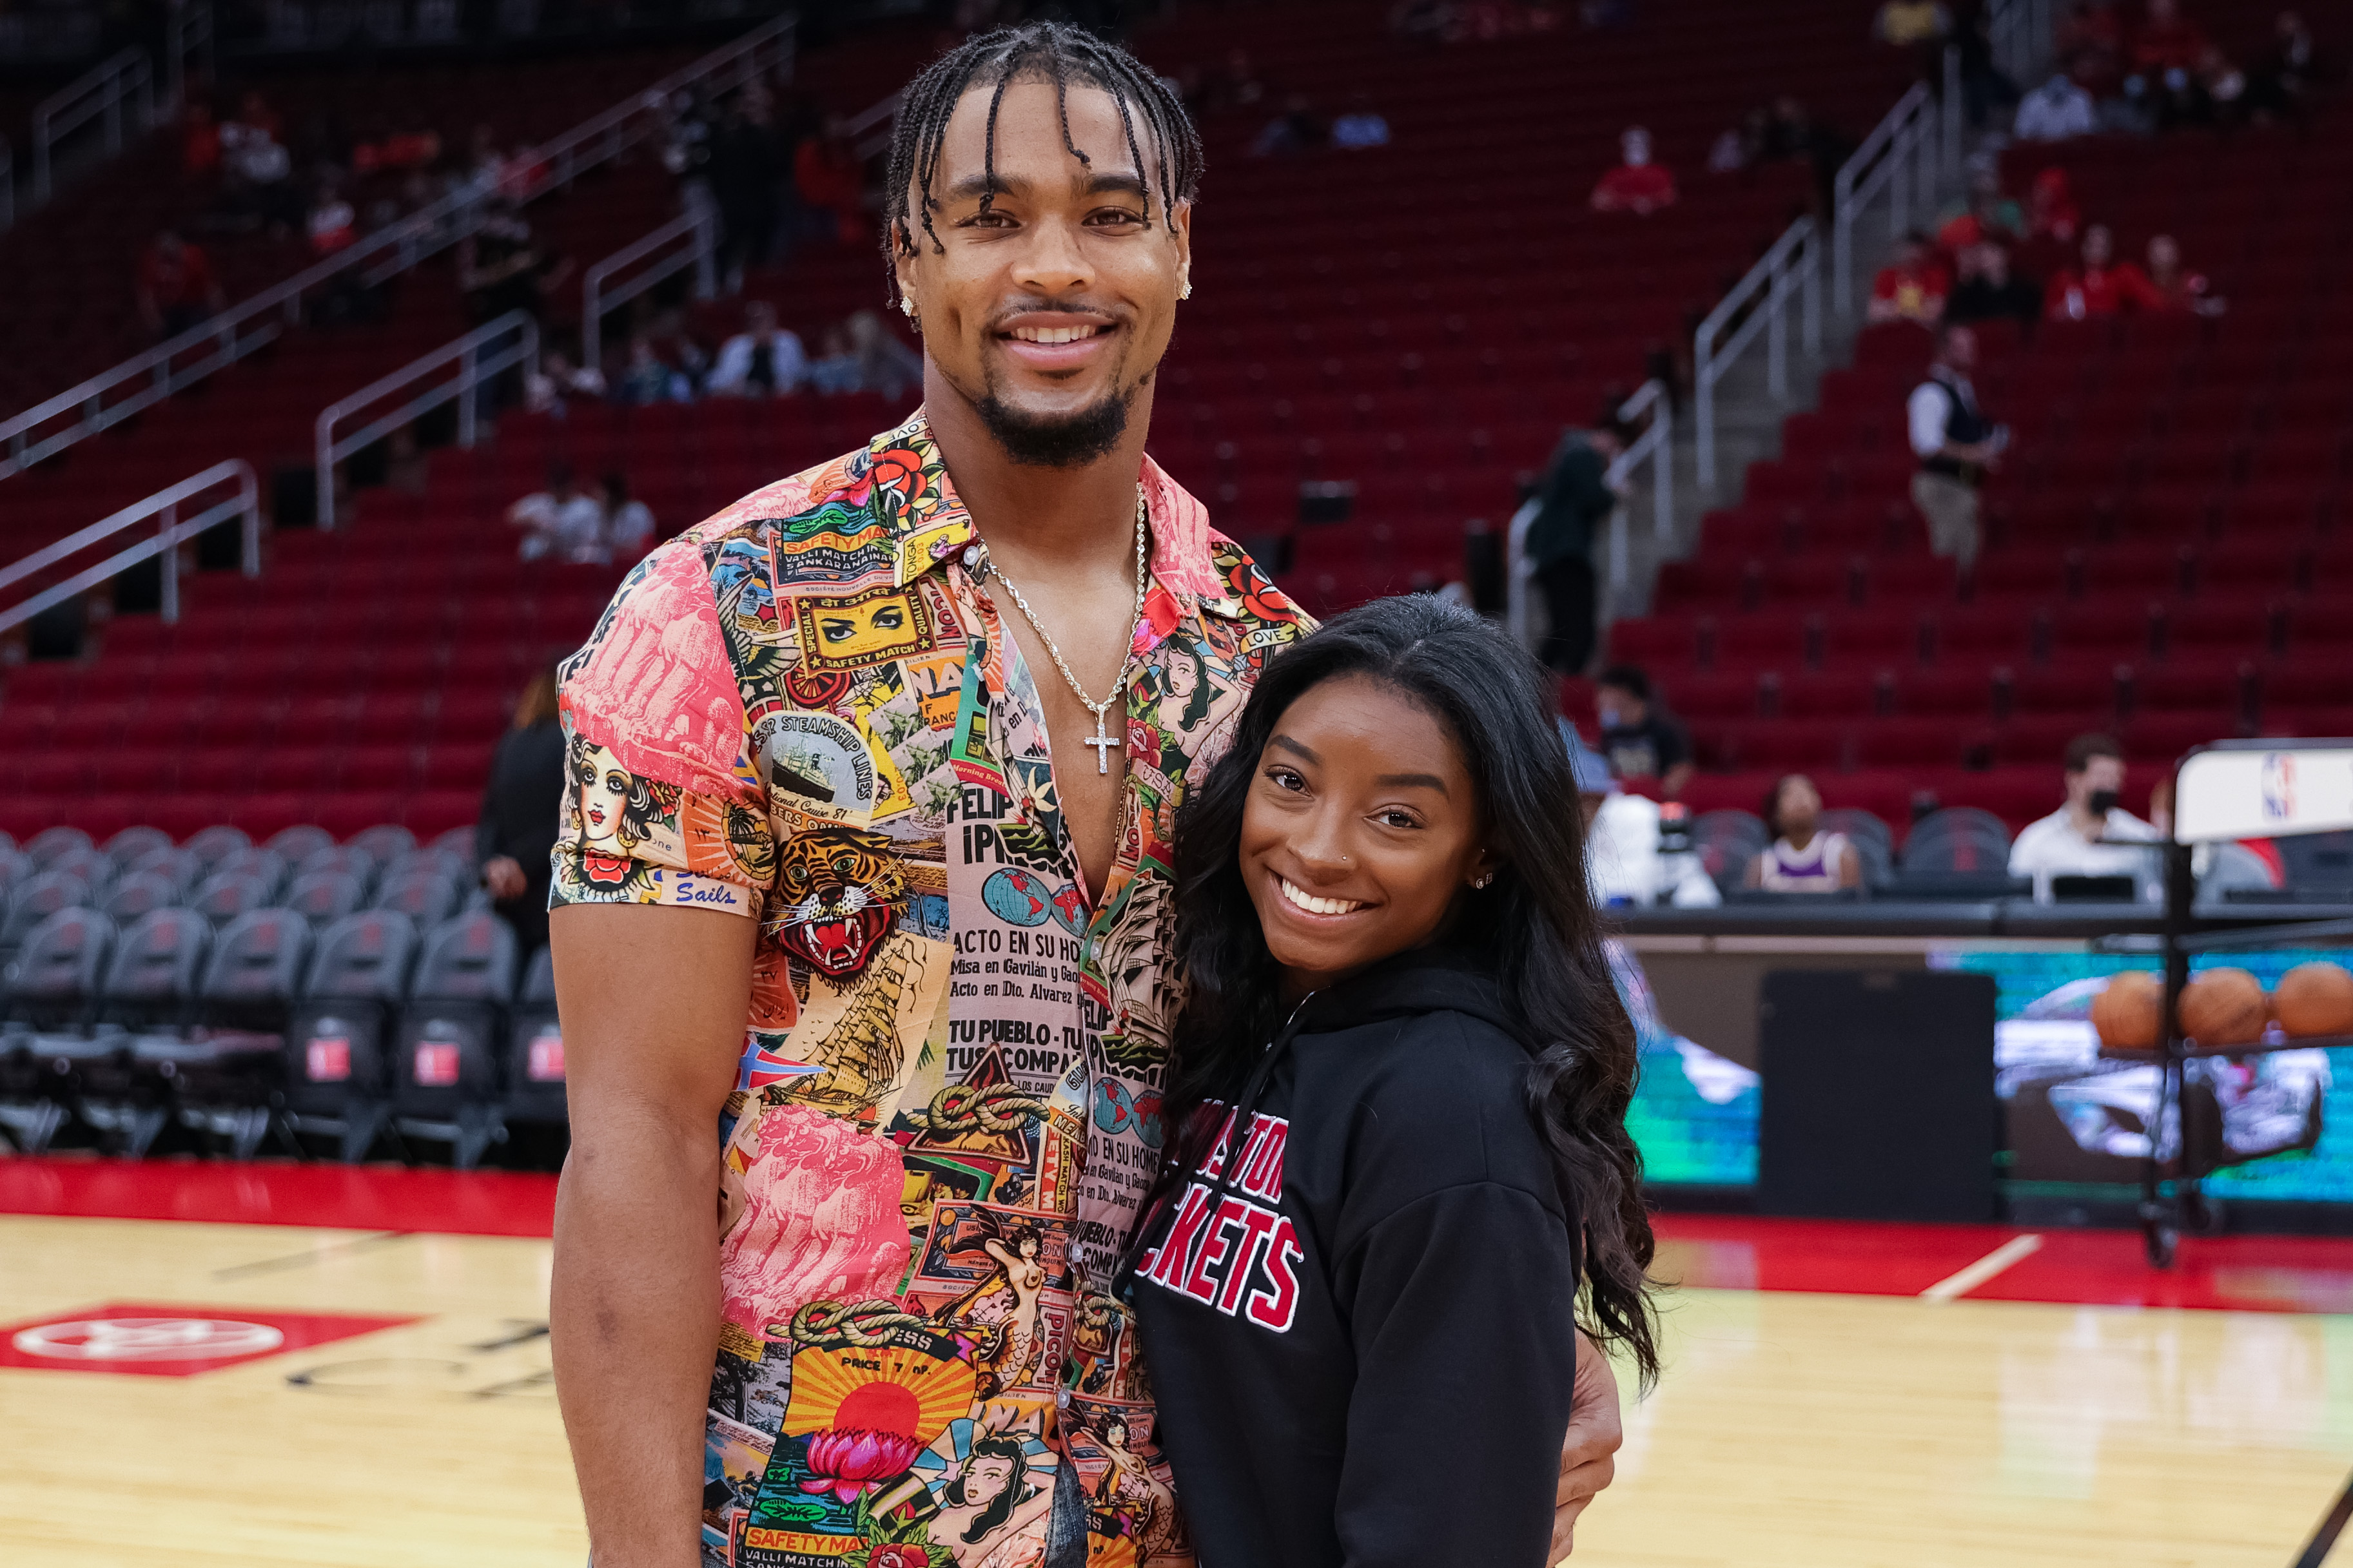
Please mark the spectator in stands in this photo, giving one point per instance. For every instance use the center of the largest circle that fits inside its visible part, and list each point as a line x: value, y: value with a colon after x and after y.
x: 2279, y: 86
x: 2167, y: 41
x: 1954, y: 444
x: 175, y: 287
x: 546, y: 389
x: 745, y: 167
x: 1640, y: 737
x: 1984, y: 213
x: 330, y: 225
x: 1802, y: 858
x: 2090, y: 835
x: 1636, y: 185
x: 2102, y: 286
x: 1742, y: 146
x: 1792, y: 131
x: 1362, y: 127
x: 560, y: 522
x: 1985, y: 86
x: 516, y: 834
x: 1913, y: 287
x: 258, y: 188
x: 628, y: 522
x: 645, y: 378
x: 860, y: 356
x: 831, y: 178
x: 1298, y: 129
x: 763, y: 360
x: 2091, y: 49
x: 1621, y: 842
x: 1989, y: 291
x: 502, y: 267
x: 1573, y: 501
x: 2174, y: 285
x: 2055, y: 111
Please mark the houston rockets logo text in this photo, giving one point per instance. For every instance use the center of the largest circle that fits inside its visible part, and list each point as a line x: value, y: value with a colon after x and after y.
x: 1226, y: 1251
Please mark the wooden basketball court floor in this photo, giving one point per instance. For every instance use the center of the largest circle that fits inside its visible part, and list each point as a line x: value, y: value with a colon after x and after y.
x: 321, y: 1367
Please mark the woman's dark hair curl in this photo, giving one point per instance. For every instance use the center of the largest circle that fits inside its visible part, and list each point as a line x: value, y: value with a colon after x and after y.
x: 1535, y: 918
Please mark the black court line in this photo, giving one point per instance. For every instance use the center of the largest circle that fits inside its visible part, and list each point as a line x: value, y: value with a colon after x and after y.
x: 311, y: 1255
x: 2317, y: 1552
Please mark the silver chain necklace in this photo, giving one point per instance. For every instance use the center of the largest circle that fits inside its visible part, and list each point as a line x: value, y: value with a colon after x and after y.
x: 1101, y: 740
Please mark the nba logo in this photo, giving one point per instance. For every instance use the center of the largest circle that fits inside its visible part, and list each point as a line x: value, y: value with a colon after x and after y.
x: 546, y: 1061
x: 436, y: 1063
x: 2279, y: 786
x: 328, y: 1059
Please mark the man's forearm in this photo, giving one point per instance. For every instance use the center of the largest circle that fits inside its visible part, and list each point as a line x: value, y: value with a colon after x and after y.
x: 634, y: 1318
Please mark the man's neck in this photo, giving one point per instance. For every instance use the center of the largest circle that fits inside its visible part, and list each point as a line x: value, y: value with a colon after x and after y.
x: 1058, y: 520
x: 2089, y: 826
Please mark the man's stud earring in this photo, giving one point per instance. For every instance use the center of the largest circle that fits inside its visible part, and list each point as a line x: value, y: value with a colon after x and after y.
x: 907, y: 303
x: 1187, y: 291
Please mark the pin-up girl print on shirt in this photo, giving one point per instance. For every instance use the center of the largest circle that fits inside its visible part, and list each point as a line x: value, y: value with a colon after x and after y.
x: 620, y: 810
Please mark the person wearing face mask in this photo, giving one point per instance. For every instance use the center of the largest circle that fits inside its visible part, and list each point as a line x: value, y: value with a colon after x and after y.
x: 2091, y: 835
x: 1641, y: 740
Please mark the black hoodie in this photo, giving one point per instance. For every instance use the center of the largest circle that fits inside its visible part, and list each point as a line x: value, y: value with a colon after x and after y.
x: 1358, y: 1307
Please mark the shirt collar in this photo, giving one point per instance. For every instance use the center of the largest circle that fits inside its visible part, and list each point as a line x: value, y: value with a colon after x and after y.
x: 929, y: 525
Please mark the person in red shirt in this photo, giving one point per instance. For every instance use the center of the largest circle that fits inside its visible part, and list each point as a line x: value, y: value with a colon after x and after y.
x: 1913, y: 286
x: 2102, y: 286
x: 1637, y: 185
x: 829, y: 176
x: 2175, y: 287
x: 2167, y: 41
x: 176, y: 285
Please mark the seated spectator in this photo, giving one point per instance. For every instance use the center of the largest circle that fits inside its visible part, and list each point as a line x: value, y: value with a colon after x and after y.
x: 2055, y: 111
x: 1984, y: 214
x: 330, y: 225
x: 2090, y: 835
x: 258, y: 184
x: 1913, y: 287
x: 628, y: 522
x: 646, y: 378
x: 1637, y: 185
x: 1622, y: 838
x: 1802, y: 858
x: 2051, y: 210
x: 2175, y: 287
x: 1298, y: 129
x: 1641, y: 739
x: 1988, y: 290
x: 560, y: 522
x: 2167, y: 41
x: 501, y: 265
x: 2102, y: 286
x: 761, y: 361
x: 860, y: 356
x: 175, y: 287
x: 1744, y: 145
x: 485, y: 165
x: 831, y: 178
x: 1361, y: 127
x: 545, y: 390
x: 2091, y: 49
x: 2279, y: 85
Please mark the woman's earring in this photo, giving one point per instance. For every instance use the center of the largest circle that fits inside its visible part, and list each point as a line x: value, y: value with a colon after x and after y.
x: 1482, y: 881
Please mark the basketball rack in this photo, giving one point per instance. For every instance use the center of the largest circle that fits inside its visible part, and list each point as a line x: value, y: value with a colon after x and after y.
x: 2229, y: 791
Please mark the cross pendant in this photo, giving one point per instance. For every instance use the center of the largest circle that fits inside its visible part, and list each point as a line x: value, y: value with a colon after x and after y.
x: 1103, y: 742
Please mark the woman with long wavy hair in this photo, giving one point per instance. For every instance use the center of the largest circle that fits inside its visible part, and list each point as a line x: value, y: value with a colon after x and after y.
x: 1398, y: 1179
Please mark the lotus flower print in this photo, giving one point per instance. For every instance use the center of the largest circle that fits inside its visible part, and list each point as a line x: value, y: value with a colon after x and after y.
x: 847, y: 1464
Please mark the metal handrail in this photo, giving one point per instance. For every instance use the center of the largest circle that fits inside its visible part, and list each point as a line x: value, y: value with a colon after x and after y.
x: 102, y: 91
x: 1883, y: 161
x: 151, y: 376
x: 474, y: 367
x: 596, y: 301
x: 1655, y: 445
x: 188, y: 36
x: 884, y: 114
x: 170, y: 532
x: 1792, y: 267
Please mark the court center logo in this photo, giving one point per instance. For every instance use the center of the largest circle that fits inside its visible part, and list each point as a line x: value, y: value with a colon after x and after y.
x: 149, y: 1339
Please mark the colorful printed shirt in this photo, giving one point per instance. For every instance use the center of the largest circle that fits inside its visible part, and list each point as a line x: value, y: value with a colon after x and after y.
x: 807, y: 712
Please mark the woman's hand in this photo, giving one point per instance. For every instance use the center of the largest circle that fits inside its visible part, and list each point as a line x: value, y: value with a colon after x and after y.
x: 502, y: 874
x: 1587, y: 1458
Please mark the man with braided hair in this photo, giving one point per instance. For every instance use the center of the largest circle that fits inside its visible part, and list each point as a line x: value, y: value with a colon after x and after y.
x: 957, y: 674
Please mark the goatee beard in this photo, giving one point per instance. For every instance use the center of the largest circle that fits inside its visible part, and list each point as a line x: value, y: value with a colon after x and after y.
x: 1065, y: 441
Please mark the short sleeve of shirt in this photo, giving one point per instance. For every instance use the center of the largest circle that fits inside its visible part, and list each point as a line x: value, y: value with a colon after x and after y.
x: 660, y: 803
x: 1672, y: 741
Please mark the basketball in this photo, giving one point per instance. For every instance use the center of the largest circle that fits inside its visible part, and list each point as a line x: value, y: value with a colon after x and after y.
x: 2127, y: 1012
x: 2315, y: 999
x: 2223, y: 1008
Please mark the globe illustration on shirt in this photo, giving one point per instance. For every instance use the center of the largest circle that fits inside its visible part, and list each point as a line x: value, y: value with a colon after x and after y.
x: 1018, y: 896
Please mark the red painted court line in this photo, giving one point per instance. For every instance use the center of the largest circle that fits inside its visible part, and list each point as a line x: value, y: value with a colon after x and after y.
x: 343, y: 1197
x: 2092, y: 1268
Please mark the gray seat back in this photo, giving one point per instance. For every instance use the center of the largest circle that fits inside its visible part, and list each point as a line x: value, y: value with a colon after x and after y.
x: 324, y: 896
x: 259, y: 956
x: 298, y: 843
x: 471, y: 958
x: 423, y: 893
x: 386, y: 841
x: 62, y: 959
x: 126, y: 847
x: 138, y: 894
x: 538, y: 980
x: 158, y: 957
x: 185, y: 869
x: 1958, y: 838
x: 229, y: 894
x: 213, y: 843
x: 363, y: 956
x: 94, y: 867
x: 266, y: 866
x: 348, y: 858
x: 51, y: 842
x: 37, y: 900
